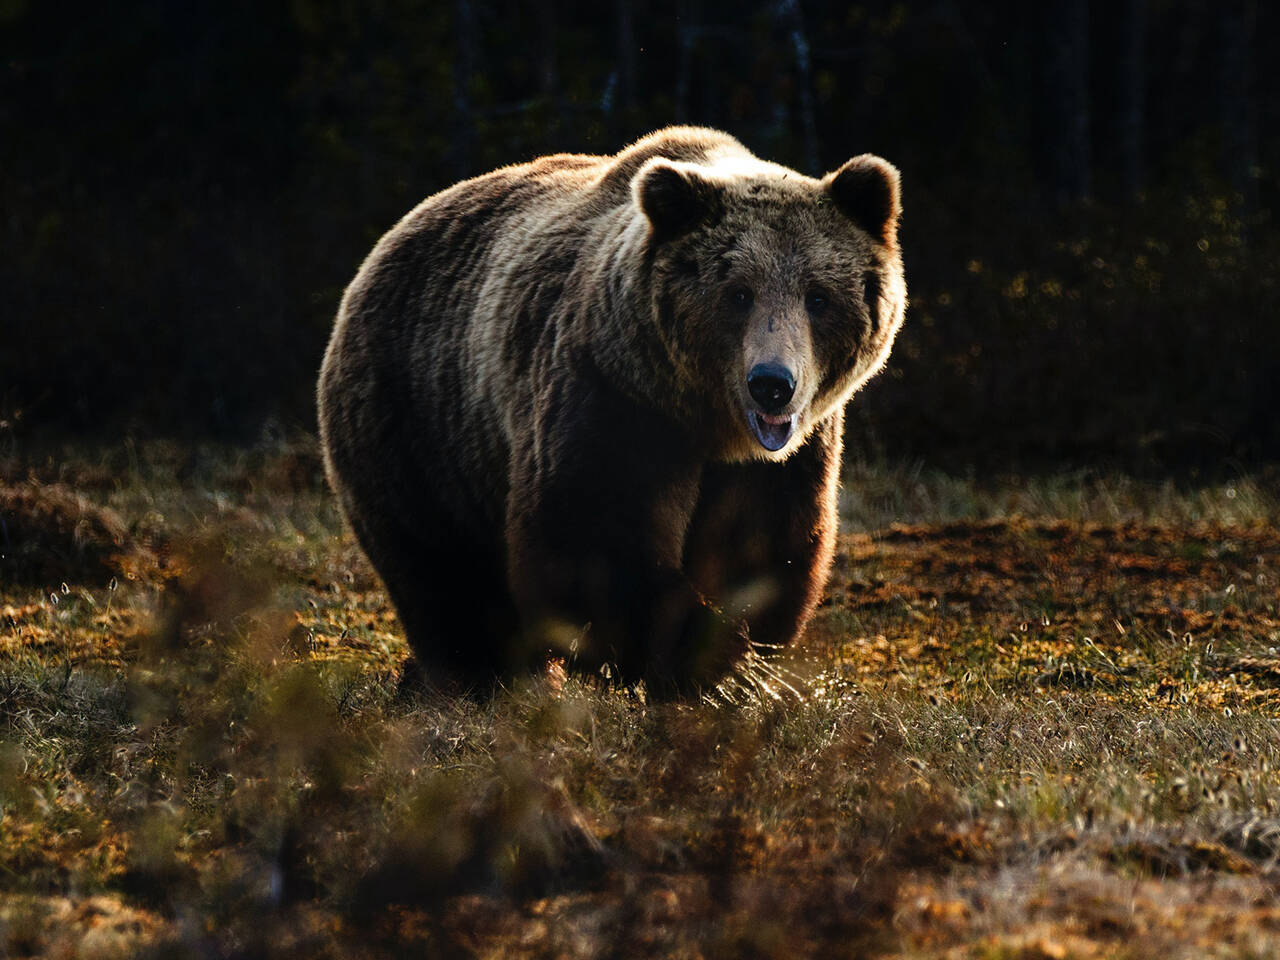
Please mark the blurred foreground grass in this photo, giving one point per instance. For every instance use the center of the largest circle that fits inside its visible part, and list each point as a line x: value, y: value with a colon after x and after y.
x: 1038, y: 719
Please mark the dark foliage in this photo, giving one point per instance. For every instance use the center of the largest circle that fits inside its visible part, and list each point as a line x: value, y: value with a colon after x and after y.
x: 1088, y: 189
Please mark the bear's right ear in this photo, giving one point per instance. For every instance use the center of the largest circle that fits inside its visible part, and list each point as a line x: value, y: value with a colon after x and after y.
x: 674, y: 196
x: 866, y: 190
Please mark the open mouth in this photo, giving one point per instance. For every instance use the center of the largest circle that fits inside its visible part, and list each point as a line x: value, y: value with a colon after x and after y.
x: 772, y: 432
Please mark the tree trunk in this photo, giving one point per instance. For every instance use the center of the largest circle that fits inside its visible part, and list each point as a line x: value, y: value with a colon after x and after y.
x: 1237, y: 20
x: 549, y: 79
x: 1132, y: 101
x: 464, y: 36
x: 620, y: 93
x: 794, y: 21
x: 1067, y: 30
x: 687, y: 34
x: 626, y: 57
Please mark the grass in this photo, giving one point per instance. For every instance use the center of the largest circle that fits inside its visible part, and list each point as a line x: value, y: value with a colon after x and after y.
x: 1038, y: 719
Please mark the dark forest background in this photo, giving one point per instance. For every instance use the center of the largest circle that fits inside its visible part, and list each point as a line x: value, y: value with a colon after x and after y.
x: 185, y: 188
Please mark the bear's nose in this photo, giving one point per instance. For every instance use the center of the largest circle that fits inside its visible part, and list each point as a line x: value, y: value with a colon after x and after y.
x: 771, y: 385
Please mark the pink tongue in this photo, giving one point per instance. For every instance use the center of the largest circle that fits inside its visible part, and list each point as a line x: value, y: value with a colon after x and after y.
x: 776, y: 421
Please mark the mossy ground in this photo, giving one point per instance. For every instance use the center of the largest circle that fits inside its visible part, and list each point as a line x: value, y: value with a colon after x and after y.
x: 1037, y: 718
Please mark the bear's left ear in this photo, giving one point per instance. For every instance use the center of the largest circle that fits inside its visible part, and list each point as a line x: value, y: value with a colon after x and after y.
x: 674, y: 196
x: 866, y: 191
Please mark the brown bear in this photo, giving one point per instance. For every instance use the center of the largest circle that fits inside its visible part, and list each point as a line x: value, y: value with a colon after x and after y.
x: 598, y: 402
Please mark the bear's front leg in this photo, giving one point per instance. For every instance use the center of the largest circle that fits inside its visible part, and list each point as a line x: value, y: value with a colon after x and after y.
x: 761, y: 540
x: 600, y: 500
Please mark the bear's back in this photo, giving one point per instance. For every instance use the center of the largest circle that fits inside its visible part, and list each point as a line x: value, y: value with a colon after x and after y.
x: 448, y: 311
x: 448, y: 238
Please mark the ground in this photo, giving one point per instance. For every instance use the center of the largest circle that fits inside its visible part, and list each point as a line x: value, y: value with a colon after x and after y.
x: 1035, y: 717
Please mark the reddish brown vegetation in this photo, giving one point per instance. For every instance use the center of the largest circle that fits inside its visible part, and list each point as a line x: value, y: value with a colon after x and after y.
x: 50, y: 534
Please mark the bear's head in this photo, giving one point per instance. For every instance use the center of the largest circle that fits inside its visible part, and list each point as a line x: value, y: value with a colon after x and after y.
x: 775, y: 295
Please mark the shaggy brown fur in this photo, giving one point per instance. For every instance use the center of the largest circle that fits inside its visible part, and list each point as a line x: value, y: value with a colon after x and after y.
x: 535, y: 404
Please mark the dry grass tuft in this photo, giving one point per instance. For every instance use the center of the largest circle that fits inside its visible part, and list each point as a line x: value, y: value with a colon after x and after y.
x: 50, y: 533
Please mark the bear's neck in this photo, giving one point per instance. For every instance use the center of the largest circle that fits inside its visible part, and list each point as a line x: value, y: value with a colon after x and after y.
x: 619, y: 325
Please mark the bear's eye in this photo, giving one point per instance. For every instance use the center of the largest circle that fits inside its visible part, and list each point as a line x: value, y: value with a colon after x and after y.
x: 741, y: 297
x: 815, y: 301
